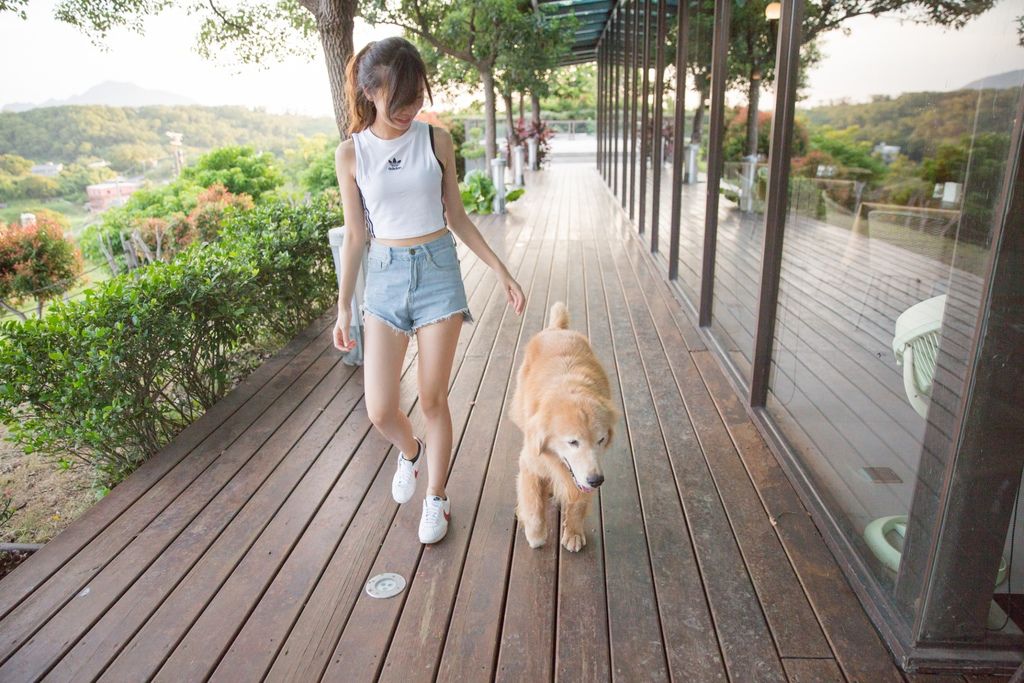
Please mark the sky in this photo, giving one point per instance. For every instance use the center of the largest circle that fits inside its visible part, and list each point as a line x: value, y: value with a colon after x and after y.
x: 64, y: 62
x: 164, y: 58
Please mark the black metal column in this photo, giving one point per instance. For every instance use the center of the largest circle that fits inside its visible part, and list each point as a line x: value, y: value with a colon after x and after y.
x: 678, y: 134
x: 716, y: 135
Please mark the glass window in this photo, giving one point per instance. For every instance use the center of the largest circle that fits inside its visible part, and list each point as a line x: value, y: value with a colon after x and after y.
x: 899, y: 154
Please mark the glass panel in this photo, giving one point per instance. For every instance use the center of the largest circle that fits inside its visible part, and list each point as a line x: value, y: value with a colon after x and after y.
x: 744, y: 180
x: 647, y: 69
x: 899, y: 155
x: 694, y: 137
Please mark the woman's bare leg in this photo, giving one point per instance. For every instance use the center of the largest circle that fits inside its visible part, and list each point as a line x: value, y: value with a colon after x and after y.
x: 437, y: 344
x: 383, y: 355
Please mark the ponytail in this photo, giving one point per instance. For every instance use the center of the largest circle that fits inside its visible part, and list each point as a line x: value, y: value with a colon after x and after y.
x: 361, y: 109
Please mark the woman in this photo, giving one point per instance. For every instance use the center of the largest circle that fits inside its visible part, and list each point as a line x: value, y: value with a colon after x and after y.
x: 400, y: 191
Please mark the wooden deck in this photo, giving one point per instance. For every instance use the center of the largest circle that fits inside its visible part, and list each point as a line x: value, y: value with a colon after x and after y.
x: 240, y: 551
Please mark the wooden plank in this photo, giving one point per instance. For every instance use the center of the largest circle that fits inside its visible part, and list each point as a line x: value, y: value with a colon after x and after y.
x: 636, y: 644
x: 793, y: 624
x: 42, y: 564
x: 208, y: 504
x: 153, y: 522
x: 311, y: 643
x: 119, y: 624
x: 746, y: 643
x: 422, y: 626
x: 201, y: 649
x: 857, y: 646
x: 582, y: 651
x: 110, y: 587
x: 812, y: 671
x: 527, y: 635
x: 253, y: 650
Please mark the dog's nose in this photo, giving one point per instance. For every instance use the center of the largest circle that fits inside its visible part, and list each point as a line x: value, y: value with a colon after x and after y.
x: 595, y: 480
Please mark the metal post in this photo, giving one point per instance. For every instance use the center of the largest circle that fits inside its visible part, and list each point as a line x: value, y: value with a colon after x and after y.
x: 679, y: 128
x: 517, y: 165
x: 787, y: 63
x: 627, y: 62
x: 645, y: 111
x: 656, y: 153
x: 634, y: 96
x: 716, y: 135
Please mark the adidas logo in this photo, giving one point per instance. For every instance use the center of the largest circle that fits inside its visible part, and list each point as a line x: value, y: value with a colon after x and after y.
x: 394, y: 164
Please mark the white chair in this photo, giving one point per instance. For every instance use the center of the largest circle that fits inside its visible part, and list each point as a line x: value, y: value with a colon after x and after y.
x: 336, y: 237
x: 916, y: 345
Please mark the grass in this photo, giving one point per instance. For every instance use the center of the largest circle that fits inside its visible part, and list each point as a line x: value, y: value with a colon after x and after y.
x: 45, y: 497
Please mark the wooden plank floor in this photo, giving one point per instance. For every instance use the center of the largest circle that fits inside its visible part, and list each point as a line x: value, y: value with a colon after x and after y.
x: 241, y: 550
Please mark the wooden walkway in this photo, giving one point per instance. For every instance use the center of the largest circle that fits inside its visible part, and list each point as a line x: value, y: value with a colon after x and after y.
x: 239, y: 552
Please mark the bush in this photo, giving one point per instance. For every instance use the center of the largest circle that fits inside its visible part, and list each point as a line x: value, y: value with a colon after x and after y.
x: 112, y: 377
x: 478, y: 193
x: 36, y: 262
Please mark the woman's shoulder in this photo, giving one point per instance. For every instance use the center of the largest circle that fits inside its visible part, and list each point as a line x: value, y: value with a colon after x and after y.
x: 441, y: 134
x: 345, y: 153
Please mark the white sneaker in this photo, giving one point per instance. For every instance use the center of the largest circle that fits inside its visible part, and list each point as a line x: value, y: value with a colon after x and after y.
x: 434, y: 522
x: 403, y: 485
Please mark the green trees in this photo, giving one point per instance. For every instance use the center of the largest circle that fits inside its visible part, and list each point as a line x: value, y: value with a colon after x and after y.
x: 464, y: 39
x: 240, y: 169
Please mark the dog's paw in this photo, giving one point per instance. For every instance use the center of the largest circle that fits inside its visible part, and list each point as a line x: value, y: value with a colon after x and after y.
x: 573, y: 541
x: 536, y: 537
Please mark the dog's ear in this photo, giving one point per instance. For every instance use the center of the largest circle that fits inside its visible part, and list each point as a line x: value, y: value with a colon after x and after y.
x: 611, y: 419
x: 535, y: 435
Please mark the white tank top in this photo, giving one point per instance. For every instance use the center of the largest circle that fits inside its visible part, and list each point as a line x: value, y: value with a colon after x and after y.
x: 399, y: 183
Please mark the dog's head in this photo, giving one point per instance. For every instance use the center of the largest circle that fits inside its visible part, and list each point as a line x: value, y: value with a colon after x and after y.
x: 576, y: 429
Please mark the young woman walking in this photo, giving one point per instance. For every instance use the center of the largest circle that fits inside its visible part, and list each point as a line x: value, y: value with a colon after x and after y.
x: 399, y: 190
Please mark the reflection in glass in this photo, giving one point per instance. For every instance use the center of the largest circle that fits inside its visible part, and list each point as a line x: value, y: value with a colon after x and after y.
x: 894, y: 185
x: 739, y: 237
x: 693, y: 137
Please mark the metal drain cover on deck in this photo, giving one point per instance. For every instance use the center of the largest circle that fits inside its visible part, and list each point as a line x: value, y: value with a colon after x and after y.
x: 385, y: 585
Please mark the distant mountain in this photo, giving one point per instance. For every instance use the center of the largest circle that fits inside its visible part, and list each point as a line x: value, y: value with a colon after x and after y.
x: 113, y: 94
x: 1010, y: 79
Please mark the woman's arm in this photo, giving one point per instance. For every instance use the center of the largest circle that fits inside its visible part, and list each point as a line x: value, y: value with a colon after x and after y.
x: 355, y: 240
x: 463, y: 227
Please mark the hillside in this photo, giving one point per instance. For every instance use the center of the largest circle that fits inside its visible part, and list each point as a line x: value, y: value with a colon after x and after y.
x: 129, y: 137
x: 919, y: 122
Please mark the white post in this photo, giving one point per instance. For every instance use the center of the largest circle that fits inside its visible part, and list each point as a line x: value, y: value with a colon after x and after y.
x: 531, y: 145
x: 498, y: 176
x: 692, y: 152
x: 517, y: 166
x: 749, y: 171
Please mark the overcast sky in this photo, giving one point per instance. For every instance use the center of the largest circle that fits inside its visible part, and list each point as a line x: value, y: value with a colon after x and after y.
x: 44, y: 58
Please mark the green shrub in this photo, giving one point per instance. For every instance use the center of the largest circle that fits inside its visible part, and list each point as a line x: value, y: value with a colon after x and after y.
x: 477, y: 192
x: 112, y: 377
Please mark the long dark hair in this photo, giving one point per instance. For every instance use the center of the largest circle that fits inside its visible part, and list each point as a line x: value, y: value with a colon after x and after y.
x: 393, y: 64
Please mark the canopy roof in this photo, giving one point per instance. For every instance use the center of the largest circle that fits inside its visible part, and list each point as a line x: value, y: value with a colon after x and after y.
x: 593, y: 16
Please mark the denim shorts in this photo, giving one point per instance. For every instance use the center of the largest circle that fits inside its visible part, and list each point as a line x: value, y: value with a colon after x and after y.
x: 409, y: 287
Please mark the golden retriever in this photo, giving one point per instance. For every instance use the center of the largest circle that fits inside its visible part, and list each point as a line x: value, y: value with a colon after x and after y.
x: 563, y: 406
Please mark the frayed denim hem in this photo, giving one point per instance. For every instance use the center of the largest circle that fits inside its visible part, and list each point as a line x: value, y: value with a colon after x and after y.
x: 377, y: 316
x: 467, y: 318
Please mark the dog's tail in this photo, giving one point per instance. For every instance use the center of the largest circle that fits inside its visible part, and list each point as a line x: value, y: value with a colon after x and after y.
x: 559, y: 317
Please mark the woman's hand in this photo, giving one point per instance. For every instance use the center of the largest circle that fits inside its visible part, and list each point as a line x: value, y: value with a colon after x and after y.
x: 342, y: 338
x: 514, y: 292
